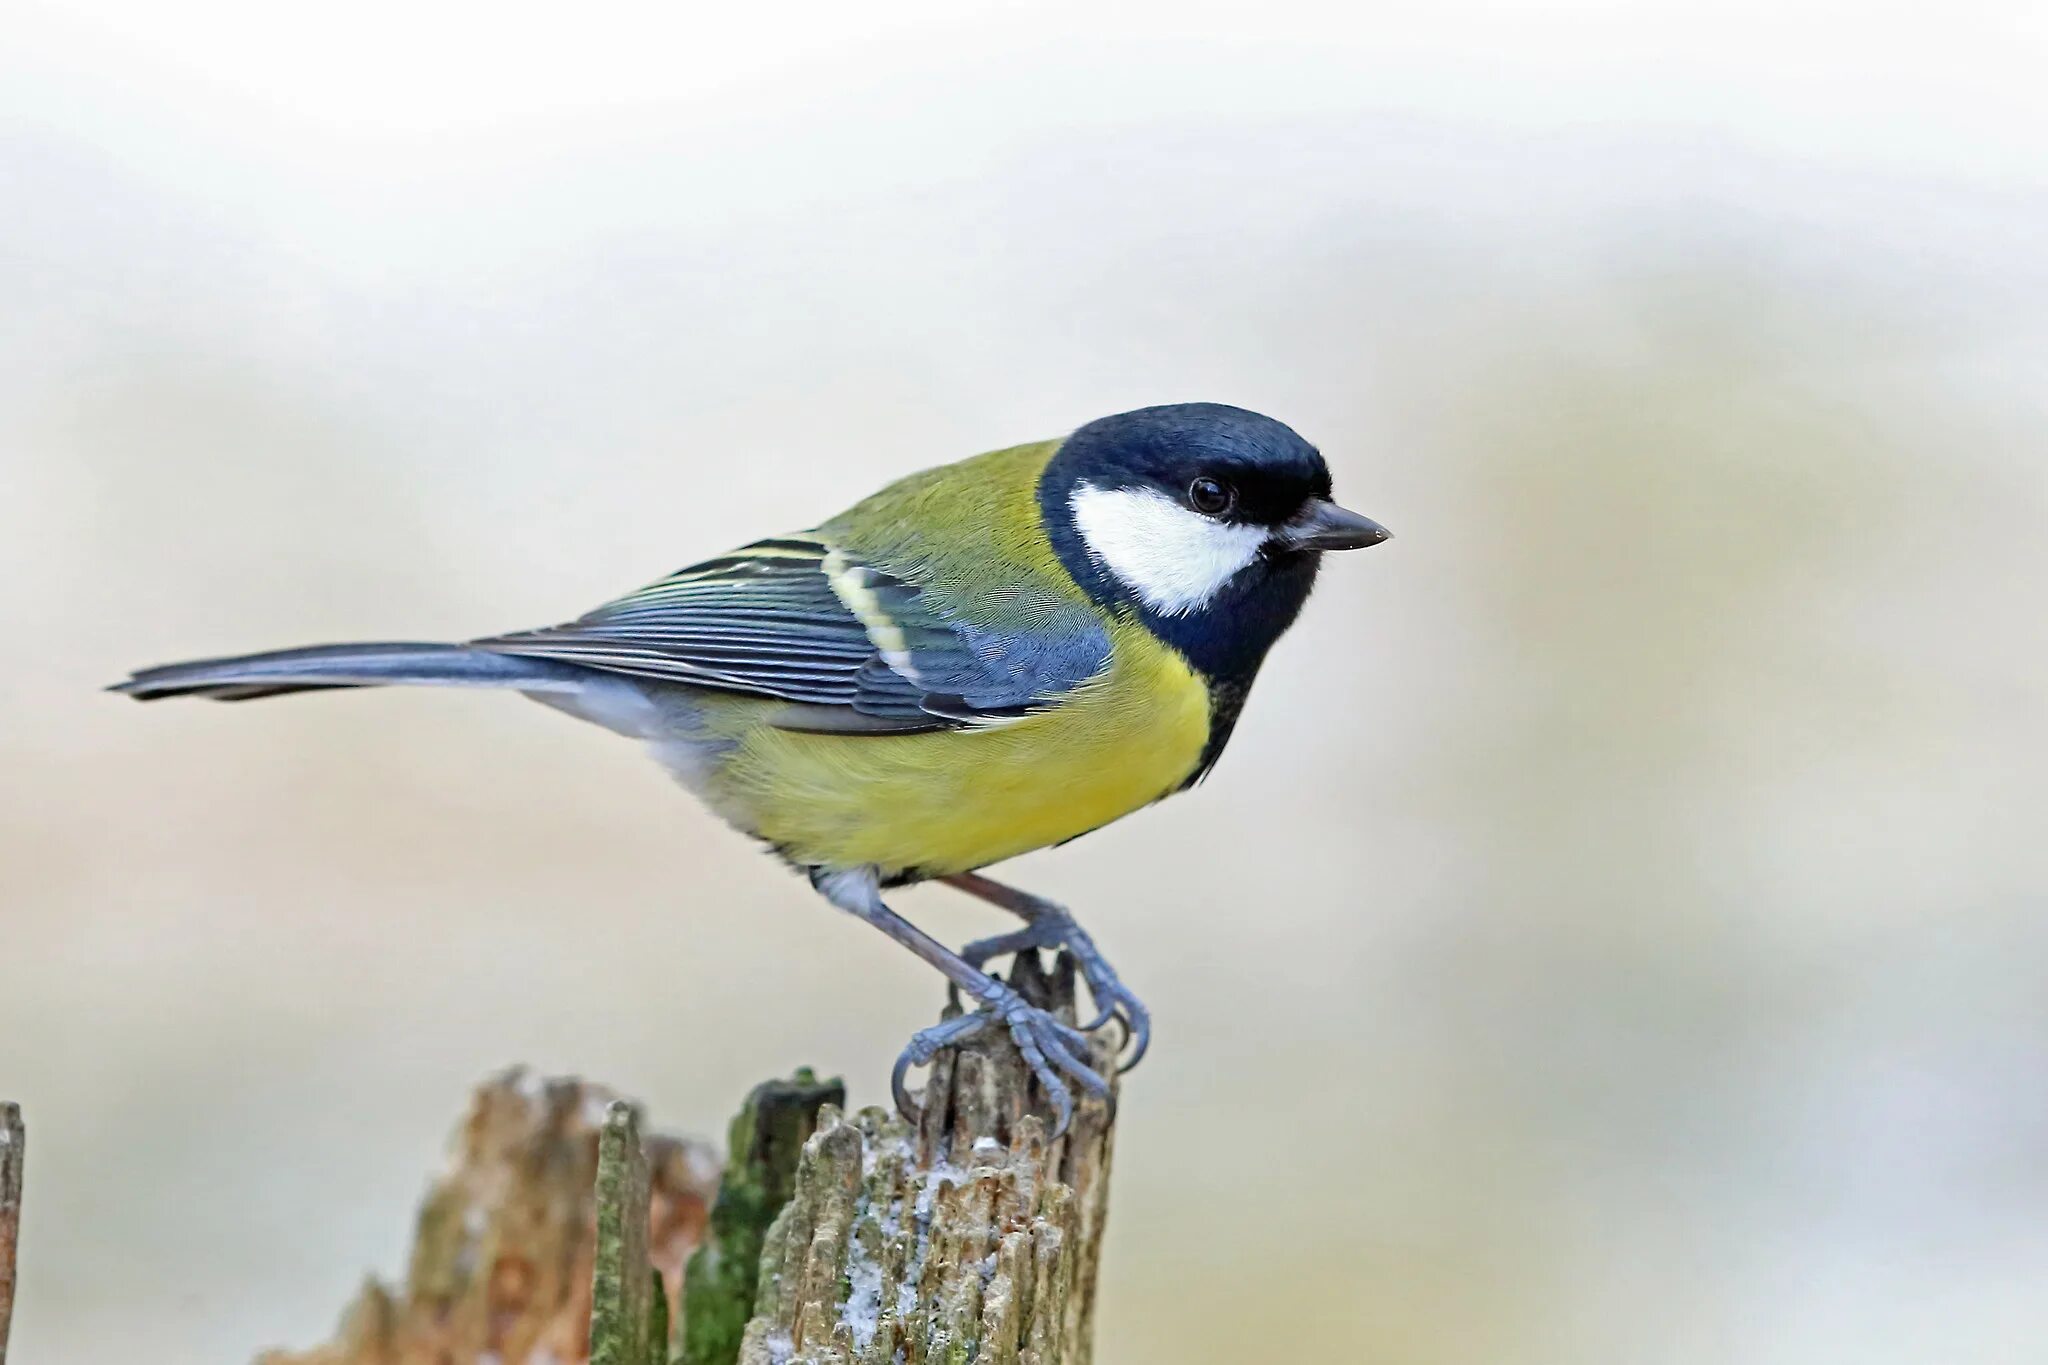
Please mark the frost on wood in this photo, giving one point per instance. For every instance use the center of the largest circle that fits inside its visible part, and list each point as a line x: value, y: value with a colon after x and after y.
x: 969, y: 1237
x: 505, y: 1247
x: 13, y: 1153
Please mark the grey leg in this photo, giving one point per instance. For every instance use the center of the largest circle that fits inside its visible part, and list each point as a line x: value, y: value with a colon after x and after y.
x: 1050, y: 1048
x: 1049, y: 925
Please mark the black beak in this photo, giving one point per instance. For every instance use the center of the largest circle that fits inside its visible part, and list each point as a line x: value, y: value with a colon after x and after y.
x: 1323, y: 525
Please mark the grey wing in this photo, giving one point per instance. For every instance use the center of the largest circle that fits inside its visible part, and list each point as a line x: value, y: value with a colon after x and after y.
x: 852, y: 648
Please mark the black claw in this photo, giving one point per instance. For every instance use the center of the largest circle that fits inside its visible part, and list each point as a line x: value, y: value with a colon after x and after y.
x: 1120, y: 1005
x: 1115, y: 1002
x: 1063, y: 1112
x: 1141, y: 1034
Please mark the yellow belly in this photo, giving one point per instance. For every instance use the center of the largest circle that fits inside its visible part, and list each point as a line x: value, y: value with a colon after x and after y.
x: 950, y: 801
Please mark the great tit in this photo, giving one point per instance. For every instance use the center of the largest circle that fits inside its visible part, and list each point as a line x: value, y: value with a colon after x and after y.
x: 981, y: 659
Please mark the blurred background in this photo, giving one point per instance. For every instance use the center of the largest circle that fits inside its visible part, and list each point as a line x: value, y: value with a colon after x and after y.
x: 1617, y: 930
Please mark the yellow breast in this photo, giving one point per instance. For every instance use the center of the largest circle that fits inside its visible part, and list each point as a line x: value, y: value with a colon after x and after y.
x: 950, y: 801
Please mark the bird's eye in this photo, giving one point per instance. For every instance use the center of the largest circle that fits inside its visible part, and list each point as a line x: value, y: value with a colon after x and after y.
x: 1210, y: 497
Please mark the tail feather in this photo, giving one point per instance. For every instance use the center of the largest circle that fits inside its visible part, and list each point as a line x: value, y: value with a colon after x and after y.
x: 321, y: 667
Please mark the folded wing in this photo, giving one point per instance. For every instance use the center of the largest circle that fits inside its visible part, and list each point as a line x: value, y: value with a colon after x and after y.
x: 852, y: 646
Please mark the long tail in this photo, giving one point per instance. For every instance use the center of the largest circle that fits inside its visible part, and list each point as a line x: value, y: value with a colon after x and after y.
x: 248, y: 676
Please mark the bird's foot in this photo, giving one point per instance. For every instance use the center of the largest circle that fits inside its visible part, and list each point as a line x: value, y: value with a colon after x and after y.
x: 1052, y: 1049
x: 1055, y: 928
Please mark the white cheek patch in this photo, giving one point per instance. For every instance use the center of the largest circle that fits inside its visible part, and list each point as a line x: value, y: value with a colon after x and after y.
x: 1174, y: 558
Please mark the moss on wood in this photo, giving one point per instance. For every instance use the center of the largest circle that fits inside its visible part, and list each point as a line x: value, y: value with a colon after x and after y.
x: 766, y: 1138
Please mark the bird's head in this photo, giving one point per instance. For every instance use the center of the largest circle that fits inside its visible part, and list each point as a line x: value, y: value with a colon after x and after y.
x: 1208, y: 521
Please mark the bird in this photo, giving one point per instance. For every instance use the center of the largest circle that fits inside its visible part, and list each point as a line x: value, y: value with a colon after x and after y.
x: 982, y: 659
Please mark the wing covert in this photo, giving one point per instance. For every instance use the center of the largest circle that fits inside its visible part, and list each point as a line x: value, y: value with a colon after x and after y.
x: 801, y: 620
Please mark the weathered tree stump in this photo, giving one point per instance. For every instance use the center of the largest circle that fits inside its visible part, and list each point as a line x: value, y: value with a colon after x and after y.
x: 969, y: 1237
x: 559, y: 1235
x: 506, y: 1241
